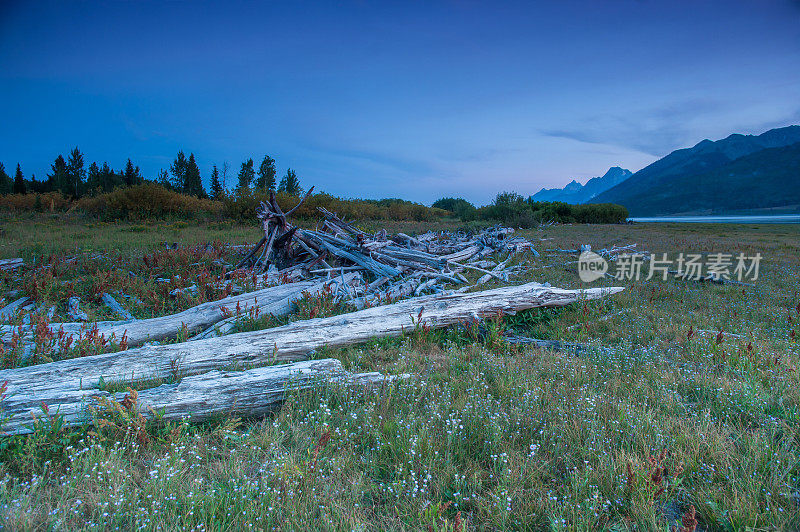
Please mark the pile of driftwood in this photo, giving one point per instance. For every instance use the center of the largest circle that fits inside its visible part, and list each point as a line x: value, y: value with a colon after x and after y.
x: 398, y: 265
x: 374, y: 272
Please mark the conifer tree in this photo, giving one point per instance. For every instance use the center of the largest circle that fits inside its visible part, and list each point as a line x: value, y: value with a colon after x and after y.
x: 19, y: 182
x: 6, y: 184
x: 76, y: 174
x: 59, y: 178
x: 193, y: 183
x: 35, y: 186
x: 246, y: 174
x: 178, y: 171
x: 216, y: 185
x: 266, y: 174
x: 290, y: 184
x: 110, y: 179
x: 132, y: 174
x: 93, y: 181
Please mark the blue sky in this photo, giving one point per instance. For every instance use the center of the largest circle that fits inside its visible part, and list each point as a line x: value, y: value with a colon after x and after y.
x: 379, y: 99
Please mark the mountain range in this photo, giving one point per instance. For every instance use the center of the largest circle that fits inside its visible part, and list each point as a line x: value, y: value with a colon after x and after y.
x: 575, y: 193
x: 737, y: 174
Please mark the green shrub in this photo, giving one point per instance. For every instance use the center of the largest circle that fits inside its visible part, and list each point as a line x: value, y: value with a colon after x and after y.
x: 49, y: 201
x: 512, y: 209
x: 458, y: 206
x: 242, y: 204
x: 147, y: 201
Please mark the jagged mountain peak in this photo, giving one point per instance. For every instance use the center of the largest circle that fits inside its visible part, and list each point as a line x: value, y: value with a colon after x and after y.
x: 576, y: 193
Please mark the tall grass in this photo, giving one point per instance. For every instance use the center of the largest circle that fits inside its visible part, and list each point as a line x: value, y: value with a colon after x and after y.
x: 646, y: 428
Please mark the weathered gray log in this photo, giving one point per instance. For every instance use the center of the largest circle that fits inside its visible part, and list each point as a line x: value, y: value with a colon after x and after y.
x: 497, y: 270
x: 397, y: 290
x: 464, y: 254
x: 411, y: 239
x: 276, y: 309
x: 66, y: 381
x: 9, y: 310
x: 10, y: 264
x: 251, y: 393
x: 112, y: 303
x: 280, y: 298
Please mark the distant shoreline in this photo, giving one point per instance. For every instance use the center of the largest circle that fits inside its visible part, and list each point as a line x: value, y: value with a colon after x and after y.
x: 723, y: 219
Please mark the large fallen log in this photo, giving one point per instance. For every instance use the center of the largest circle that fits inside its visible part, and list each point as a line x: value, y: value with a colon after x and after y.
x: 251, y: 393
x: 277, y: 300
x: 65, y: 382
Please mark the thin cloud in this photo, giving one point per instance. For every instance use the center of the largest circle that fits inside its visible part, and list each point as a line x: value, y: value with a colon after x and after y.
x: 655, y: 131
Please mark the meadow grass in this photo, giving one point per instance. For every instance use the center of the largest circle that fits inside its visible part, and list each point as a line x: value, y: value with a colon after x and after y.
x: 649, y: 420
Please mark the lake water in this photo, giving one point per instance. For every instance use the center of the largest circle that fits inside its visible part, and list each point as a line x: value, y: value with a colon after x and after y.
x: 734, y: 219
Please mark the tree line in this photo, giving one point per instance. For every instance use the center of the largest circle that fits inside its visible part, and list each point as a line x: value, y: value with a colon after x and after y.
x: 72, y: 178
x: 512, y: 209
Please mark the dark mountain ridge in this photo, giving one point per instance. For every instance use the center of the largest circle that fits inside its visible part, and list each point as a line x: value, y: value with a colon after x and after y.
x: 679, y: 182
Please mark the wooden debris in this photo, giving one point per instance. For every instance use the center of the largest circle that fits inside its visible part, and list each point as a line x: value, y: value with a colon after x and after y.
x: 11, y: 264
x: 74, y: 309
x: 9, y: 310
x: 65, y: 382
x: 279, y: 299
x: 347, y: 247
x: 112, y: 303
x: 251, y: 393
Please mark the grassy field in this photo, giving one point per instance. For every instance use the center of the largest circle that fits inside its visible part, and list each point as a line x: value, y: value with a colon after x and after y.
x: 651, y: 419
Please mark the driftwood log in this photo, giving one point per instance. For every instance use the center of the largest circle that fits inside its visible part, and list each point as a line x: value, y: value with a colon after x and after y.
x: 277, y: 300
x: 9, y: 310
x: 11, y: 264
x: 64, y: 383
x: 114, y: 305
x: 251, y: 393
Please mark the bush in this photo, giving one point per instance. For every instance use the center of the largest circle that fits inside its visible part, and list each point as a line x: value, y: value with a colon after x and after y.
x: 458, y: 206
x: 242, y: 204
x: 49, y: 201
x: 512, y: 209
x: 147, y: 201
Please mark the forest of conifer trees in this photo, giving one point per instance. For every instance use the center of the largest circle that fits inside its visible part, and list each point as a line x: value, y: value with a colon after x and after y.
x: 74, y: 179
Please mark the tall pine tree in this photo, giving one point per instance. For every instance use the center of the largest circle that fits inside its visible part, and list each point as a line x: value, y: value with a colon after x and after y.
x: 93, y: 181
x: 266, y: 174
x: 290, y: 184
x: 132, y: 174
x: 216, y: 185
x: 19, y: 181
x: 36, y: 186
x: 6, y: 183
x: 110, y: 179
x: 75, y: 173
x: 178, y: 170
x: 59, y: 179
x: 193, y: 184
x: 246, y: 174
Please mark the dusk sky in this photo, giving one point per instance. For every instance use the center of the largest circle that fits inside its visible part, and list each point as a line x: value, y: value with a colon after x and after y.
x: 410, y: 99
